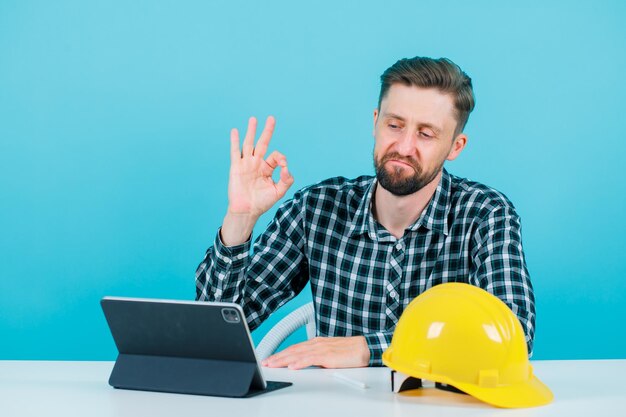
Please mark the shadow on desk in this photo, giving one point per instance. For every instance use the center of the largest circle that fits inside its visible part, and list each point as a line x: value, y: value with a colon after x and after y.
x: 435, y: 396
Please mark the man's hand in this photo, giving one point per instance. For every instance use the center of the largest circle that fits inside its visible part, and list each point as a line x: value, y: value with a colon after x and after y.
x: 327, y: 352
x: 251, y: 189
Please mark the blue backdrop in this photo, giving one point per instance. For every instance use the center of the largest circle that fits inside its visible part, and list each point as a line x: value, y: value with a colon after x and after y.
x: 114, y: 144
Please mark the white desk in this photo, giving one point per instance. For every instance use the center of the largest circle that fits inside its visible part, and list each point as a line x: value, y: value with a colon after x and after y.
x: 34, y: 388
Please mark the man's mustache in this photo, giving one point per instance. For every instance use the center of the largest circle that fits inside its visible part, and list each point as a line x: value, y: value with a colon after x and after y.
x: 396, y: 156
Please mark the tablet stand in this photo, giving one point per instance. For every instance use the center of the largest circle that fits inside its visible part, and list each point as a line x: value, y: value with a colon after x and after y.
x: 187, y: 376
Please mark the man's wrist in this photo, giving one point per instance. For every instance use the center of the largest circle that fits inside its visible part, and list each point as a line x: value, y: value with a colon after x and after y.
x: 237, y: 228
x: 365, y: 351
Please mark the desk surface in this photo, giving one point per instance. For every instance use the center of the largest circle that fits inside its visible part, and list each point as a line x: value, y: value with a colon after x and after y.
x: 38, y: 388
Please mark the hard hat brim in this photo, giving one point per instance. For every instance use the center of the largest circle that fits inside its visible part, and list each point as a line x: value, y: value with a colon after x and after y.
x: 532, y: 393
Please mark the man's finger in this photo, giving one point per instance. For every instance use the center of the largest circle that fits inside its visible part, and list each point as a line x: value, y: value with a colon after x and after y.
x: 304, y: 362
x: 280, y: 360
x: 290, y: 351
x: 293, y: 360
x: 264, y: 141
x: 235, y: 152
x: 248, y: 142
x: 286, y: 181
x: 275, y: 159
x: 279, y: 356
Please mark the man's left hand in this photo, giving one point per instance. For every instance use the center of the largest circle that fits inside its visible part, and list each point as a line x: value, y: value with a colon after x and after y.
x: 327, y: 352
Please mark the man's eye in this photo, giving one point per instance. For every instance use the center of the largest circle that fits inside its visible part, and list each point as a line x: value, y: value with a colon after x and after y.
x: 426, y: 135
x: 392, y: 126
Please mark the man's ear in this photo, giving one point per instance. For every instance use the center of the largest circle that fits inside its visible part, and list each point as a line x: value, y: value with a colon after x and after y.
x: 457, y: 146
x: 375, y: 120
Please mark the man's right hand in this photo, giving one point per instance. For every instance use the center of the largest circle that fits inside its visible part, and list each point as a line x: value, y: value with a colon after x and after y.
x: 251, y: 189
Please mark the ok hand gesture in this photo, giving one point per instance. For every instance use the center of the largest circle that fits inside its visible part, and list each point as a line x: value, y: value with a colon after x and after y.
x: 251, y: 189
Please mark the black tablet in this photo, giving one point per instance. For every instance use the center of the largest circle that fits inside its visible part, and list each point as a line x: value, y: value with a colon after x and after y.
x: 187, y: 347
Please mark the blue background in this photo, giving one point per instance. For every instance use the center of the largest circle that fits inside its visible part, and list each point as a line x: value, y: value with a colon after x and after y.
x: 114, y: 144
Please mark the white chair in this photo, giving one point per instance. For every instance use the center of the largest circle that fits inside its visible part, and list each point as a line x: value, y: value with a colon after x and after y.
x: 302, y: 316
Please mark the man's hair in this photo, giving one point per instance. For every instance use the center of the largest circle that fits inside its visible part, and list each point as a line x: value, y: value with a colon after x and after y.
x: 441, y: 74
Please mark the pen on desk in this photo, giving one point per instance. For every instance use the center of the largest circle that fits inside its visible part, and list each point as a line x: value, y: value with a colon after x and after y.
x: 350, y: 381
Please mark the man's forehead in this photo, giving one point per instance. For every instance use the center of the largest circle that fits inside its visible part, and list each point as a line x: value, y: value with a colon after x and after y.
x: 425, y: 105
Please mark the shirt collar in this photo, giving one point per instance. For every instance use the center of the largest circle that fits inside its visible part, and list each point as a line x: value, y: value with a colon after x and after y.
x: 434, y: 217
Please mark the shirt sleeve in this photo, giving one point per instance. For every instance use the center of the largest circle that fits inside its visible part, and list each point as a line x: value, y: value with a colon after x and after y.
x: 499, y: 266
x: 262, y: 279
x: 377, y: 343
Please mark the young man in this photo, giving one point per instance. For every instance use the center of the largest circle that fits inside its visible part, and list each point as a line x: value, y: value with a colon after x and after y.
x: 369, y: 245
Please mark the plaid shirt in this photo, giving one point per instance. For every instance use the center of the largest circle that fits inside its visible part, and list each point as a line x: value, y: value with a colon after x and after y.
x: 361, y: 276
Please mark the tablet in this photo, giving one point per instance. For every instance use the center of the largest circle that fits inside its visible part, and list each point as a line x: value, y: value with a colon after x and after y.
x: 187, y: 347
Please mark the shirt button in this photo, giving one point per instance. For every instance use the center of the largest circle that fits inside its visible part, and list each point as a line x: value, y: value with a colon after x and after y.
x: 393, y: 294
x: 398, y: 246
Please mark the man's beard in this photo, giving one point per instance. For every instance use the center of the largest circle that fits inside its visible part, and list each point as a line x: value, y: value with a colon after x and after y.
x: 396, y: 181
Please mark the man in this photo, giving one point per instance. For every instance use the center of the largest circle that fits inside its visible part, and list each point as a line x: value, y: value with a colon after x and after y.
x: 369, y: 245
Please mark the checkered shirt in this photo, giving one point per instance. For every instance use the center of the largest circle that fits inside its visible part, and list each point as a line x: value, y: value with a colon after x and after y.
x: 361, y: 276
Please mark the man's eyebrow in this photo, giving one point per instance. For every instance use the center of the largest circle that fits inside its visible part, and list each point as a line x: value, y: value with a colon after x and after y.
x: 431, y: 126
x: 394, y: 116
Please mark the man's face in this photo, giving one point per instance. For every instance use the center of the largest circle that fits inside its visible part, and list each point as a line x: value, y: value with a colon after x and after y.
x: 414, y: 134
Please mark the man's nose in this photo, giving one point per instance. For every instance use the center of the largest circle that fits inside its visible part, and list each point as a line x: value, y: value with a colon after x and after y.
x: 406, y: 143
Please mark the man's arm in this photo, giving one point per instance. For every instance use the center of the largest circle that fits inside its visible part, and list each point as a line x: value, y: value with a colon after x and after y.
x: 262, y: 282
x: 499, y: 266
x: 222, y: 275
x: 278, y: 269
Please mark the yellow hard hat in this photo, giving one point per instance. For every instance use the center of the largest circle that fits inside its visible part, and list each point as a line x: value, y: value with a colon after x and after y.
x: 461, y: 335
